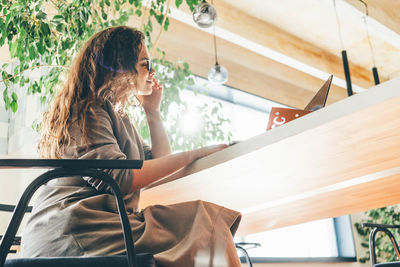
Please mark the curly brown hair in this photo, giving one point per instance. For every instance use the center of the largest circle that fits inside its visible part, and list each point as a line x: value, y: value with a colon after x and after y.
x: 104, y: 69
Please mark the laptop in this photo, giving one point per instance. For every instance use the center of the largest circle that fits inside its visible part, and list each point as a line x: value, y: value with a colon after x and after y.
x: 279, y: 116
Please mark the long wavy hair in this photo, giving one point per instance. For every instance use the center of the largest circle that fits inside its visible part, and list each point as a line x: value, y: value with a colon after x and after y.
x: 104, y: 69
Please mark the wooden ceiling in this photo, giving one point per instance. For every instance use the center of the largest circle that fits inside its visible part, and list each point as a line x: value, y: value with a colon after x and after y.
x: 284, y: 50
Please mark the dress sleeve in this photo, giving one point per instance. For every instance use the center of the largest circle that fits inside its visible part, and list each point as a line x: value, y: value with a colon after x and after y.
x: 147, y: 150
x: 102, y: 144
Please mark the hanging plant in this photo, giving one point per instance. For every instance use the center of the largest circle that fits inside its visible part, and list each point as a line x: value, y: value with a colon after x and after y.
x: 46, y: 34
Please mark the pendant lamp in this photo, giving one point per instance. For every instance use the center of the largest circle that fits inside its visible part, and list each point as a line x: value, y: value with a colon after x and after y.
x: 218, y: 74
x: 204, y: 15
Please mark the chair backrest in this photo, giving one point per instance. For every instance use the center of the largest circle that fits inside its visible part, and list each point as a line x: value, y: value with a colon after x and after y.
x: 63, y: 169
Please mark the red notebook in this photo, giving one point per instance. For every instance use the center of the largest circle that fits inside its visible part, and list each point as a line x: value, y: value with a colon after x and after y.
x: 279, y: 116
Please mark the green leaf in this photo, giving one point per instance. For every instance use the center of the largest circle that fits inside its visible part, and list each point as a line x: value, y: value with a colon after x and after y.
x: 44, y: 27
x: 41, y: 15
x: 14, y: 106
x: 22, y: 82
x: 191, y: 4
x: 166, y: 24
x: 48, y: 42
x: 6, y: 99
x: 16, y: 6
x: 32, y: 53
x: 40, y: 48
x: 14, y: 49
x: 14, y: 96
x: 108, y: 2
x: 60, y: 27
x: 57, y: 18
x: 178, y: 3
x: 8, y: 19
x: 138, y: 12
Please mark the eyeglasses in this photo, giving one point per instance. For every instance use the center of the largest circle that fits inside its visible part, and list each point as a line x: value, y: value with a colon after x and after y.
x: 149, y: 65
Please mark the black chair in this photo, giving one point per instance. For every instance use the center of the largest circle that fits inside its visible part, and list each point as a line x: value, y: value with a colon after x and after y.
x: 372, y: 235
x: 62, y: 169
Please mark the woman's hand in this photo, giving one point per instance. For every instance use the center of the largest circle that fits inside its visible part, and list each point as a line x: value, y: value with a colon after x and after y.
x: 151, y: 103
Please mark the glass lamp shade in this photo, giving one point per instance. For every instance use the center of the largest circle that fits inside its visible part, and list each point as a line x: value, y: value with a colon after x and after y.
x: 218, y: 74
x: 205, y: 15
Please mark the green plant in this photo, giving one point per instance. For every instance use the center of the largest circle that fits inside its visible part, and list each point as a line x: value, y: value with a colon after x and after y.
x: 47, y: 33
x: 384, y: 249
x: 174, y: 78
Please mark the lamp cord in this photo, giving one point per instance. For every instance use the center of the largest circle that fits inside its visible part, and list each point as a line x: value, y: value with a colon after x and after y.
x: 367, y: 30
x: 215, y: 41
x: 338, y: 23
x: 215, y: 46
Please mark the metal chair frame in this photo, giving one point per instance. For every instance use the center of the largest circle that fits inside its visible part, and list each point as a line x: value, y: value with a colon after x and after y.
x: 240, y: 246
x: 62, y: 169
x: 372, y: 235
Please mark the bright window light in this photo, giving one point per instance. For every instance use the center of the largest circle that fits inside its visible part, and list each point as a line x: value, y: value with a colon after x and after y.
x: 313, y: 239
x: 191, y: 122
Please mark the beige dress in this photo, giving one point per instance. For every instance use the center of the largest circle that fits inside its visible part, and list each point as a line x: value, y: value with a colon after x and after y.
x: 78, y: 216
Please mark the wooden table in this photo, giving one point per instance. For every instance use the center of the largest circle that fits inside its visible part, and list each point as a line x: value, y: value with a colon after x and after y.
x: 342, y: 159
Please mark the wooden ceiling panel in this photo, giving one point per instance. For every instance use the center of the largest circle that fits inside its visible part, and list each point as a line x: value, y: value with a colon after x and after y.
x: 384, y: 11
x: 248, y: 71
x: 268, y: 35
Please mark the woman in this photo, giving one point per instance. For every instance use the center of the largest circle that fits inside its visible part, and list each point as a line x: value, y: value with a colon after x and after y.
x: 78, y: 216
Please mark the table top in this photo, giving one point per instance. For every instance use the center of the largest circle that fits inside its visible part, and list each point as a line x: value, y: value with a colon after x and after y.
x: 342, y: 159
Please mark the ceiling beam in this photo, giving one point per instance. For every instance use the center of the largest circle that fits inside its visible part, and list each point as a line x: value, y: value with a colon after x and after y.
x: 384, y: 11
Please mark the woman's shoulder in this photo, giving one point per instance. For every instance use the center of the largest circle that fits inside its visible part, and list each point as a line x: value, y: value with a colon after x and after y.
x: 103, y: 114
x: 103, y: 110
x: 103, y: 107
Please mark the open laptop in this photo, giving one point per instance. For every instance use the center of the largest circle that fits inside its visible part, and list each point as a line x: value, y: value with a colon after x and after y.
x: 279, y: 116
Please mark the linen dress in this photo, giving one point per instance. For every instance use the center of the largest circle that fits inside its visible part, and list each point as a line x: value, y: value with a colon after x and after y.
x: 78, y: 216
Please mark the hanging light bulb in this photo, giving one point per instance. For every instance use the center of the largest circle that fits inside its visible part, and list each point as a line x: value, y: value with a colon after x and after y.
x: 218, y: 74
x: 204, y: 15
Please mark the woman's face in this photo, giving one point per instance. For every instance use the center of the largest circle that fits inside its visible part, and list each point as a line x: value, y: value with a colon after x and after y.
x: 144, y: 79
